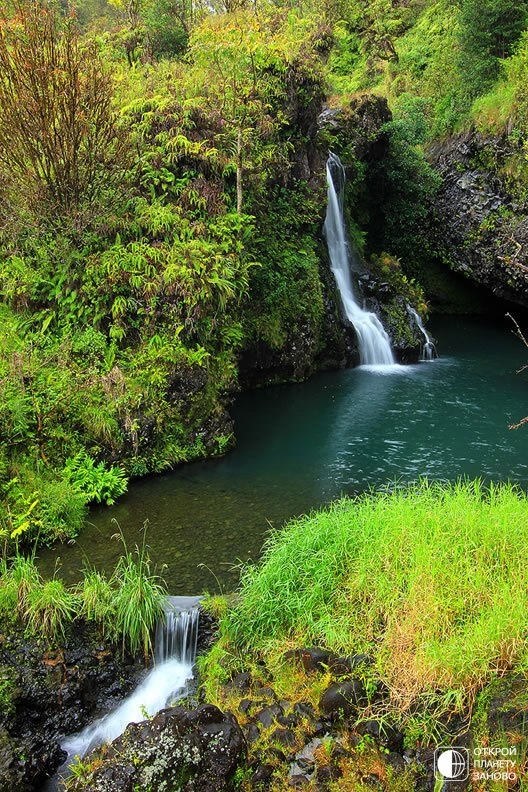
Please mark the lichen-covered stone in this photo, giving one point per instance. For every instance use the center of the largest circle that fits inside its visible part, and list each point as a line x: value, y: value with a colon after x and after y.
x: 191, y: 751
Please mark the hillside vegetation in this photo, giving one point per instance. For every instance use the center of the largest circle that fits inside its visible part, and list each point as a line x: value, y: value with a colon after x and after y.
x: 162, y: 190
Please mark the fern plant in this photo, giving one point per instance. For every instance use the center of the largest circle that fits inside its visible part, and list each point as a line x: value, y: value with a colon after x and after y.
x: 97, y: 482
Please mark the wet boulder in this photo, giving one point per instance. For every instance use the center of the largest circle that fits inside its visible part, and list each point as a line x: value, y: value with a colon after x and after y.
x: 194, y: 751
x: 25, y: 764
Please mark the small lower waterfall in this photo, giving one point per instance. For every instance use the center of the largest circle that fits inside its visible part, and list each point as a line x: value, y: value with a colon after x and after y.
x: 428, y: 351
x: 175, y: 653
x: 177, y: 634
x: 373, y: 341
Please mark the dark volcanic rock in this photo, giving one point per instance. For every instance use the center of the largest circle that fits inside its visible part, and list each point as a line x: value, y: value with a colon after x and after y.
x: 313, y: 659
x: 268, y: 715
x: 58, y: 691
x: 345, y: 665
x: 283, y: 737
x: 481, y: 217
x: 240, y: 682
x: 55, y: 692
x: 26, y: 763
x: 262, y: 774
x: 343, y: 698
x: 194, y: 751
x: 385, y: 735
x: 396, y: 761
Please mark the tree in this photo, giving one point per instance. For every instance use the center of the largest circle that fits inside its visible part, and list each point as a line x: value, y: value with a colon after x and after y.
x: 519, y: 333
x: 162, y: 25
x: 379, y: 22
x: 489, y: 29
x: 238, y: 68
x: 61, y: 148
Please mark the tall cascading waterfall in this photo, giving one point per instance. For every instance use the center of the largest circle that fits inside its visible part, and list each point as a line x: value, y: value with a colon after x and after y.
x: 428, y: 351
x: 373, y: 341
x: 175, y: 653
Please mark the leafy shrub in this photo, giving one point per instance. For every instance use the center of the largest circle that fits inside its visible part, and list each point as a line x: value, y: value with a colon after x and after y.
x: 68, y: 104
x: 401, y: 185
x: 95, y: 481
x: 489, y: 30
x: 62, y: 510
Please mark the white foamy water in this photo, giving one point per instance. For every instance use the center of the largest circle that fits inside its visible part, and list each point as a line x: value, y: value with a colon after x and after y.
x: 162, y: 686
x: 373, y: 341
x: 175, y: 652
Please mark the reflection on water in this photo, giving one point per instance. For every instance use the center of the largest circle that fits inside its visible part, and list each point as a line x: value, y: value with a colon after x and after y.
x: 300, y: 446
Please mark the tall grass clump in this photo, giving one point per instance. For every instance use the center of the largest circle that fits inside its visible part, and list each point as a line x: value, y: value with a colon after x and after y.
x: 138, y: 599
x: 50, y: 608
x: 8, y: 593
x: 43, y: 607
x: 431, y: 580
x: 97, y: 600
x: 21, y: 578
x: 125, y: 607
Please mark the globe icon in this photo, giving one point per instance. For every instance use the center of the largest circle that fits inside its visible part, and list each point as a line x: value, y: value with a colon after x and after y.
x: 452, y: 763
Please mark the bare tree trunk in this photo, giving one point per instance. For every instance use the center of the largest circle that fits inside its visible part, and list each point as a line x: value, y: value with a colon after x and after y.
x: 239, y: 172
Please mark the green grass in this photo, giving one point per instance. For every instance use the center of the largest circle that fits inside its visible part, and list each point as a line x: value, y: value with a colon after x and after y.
x: 431, y: 580
x: 138, y: 598
x: 125, y: 607
x: 138, y: 605
x: 50, y: 608
x: 97, y: 598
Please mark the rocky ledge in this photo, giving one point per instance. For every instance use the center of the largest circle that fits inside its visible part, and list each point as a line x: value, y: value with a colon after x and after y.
x: 49, y: 692
x: 268, y: 740
x: 481, y: 222
x: 197, y: 750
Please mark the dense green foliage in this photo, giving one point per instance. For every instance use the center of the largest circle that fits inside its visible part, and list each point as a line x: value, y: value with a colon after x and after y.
x: 429, y: 581
x: 129, y: 248
x: 159, y: 215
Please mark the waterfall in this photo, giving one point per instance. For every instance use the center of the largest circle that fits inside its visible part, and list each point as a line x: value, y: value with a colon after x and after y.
x: 373, y: 341
x: 174, y: 652
x: 177, y: 633
x: 428, y: 350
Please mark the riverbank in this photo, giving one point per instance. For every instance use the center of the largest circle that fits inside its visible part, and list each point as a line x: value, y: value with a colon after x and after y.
x: 416, y: 602
x: 302, y: 446
x: 370, y: 634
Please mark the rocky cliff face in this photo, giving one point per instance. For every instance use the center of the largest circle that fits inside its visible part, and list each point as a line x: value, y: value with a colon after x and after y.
x: 481, y: 212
